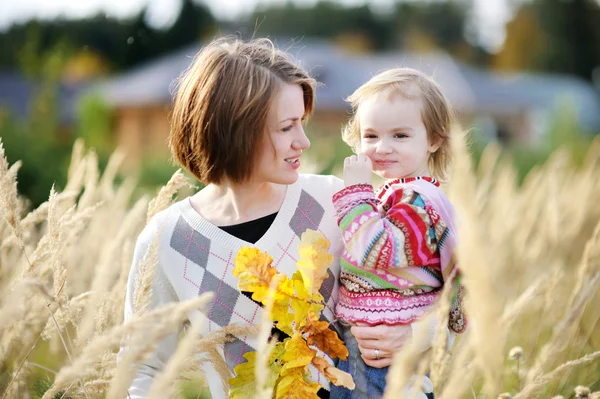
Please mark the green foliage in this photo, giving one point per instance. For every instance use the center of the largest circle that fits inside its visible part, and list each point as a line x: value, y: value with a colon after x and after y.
x: 194, y: 390
x: 325, y: 19
x: 443, y: 22
x: 94, y: 125
x: 573, y: 34
x: 41, y: 385
x: 39, y: 140
x: 154, y: 172
x: 123, y: 43
x: 563, y: 133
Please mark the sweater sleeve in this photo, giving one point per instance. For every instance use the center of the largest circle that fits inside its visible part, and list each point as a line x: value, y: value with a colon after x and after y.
x: 376, y: 239
x: 162, y: 293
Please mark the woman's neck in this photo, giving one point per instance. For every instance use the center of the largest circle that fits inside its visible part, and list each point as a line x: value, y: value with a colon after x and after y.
x: 227, y: 204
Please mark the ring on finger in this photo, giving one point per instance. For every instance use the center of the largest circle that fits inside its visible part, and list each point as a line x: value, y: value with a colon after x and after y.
x: 377, y: 357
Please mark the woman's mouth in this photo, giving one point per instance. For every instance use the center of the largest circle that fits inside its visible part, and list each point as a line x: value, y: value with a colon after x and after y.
x: 293, y: 162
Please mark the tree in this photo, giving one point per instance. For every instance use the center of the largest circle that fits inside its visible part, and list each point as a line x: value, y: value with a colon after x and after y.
x: 525, y: 43
x: 554, y: 36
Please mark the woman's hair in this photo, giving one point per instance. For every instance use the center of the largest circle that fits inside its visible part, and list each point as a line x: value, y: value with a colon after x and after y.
x: 220, y: 110
x: 436, y: 113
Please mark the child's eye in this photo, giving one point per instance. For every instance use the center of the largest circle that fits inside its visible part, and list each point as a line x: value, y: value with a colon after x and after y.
x: 400, y: 135
x: 369, y: 136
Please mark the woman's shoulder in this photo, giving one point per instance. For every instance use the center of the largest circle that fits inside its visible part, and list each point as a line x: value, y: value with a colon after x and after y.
x: 161, y: 221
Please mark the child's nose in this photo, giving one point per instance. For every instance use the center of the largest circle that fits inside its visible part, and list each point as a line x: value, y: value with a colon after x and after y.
x: 383, y: 148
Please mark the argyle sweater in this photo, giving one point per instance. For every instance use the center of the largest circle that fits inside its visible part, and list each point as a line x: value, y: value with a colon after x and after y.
x: 399, y: 252
x: 196, y: 256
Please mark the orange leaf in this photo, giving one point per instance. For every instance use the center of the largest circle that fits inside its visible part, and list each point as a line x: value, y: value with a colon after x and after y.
x: 333, y: 374
x: 324, y: 338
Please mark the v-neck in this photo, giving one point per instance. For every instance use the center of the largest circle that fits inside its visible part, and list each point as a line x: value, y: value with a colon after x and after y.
x: 272, y: 235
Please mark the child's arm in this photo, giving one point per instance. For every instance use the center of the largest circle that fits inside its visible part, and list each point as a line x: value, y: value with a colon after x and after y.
x: 378, y: 240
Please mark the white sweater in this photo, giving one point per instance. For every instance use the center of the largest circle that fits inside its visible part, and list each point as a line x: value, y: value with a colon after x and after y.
x: 195, y: 256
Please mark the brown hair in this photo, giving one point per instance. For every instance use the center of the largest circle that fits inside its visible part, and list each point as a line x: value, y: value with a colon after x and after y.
x: 436, y: 112
x: 220, y: 110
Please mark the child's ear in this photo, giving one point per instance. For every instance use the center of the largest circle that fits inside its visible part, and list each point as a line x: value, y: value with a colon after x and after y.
x: 434, y: 143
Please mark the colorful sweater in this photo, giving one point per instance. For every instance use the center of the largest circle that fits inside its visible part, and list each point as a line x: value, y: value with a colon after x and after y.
x: 399, y: 252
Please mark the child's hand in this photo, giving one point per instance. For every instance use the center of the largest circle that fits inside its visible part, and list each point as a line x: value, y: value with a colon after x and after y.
x: 358, y: 169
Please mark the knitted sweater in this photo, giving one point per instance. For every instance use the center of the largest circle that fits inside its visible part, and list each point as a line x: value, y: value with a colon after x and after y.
x: 195, y: 256
x: 399, y: 251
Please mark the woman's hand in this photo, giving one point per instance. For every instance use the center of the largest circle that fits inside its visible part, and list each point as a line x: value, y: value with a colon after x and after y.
x: 377, y: 344
x: 358, y: 169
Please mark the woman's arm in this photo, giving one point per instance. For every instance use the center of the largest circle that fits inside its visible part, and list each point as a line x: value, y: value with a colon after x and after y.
x: 161, y: 294
x: 388, y: 340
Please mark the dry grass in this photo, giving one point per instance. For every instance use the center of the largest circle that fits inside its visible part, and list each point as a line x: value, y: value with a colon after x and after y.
x: 530, y: 255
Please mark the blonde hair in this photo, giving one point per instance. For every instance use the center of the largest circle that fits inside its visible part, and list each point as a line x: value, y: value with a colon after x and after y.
x: 436, y: 111
x: 220, y: 111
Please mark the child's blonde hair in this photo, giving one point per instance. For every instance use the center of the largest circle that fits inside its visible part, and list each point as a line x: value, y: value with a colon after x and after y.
x: 436, y: 112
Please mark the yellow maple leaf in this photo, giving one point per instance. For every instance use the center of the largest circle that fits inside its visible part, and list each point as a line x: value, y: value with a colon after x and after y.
x: 324, y: 338
x: 333, y: 374
x: 301, y: 309
x: 296, y: 385
x: 253, y: 268
x: 243, y: 385
x: 297, y: 354
x: 317, y: 303
x: 314, y: 259
x: 284, y: 319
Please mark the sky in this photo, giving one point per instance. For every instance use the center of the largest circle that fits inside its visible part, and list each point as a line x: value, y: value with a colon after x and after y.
x: 489, y: 16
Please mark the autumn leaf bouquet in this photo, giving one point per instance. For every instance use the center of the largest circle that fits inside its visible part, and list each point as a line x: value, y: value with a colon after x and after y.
x: 294, y: 306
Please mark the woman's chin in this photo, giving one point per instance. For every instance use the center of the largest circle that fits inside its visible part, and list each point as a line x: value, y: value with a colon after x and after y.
x: 289, y: 177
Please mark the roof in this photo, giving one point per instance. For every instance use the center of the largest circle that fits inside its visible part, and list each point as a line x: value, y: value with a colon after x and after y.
x: 16, y: 92
x: 469, y: 89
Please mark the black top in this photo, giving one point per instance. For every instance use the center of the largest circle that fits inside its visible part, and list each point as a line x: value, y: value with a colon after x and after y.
x: 251, y: 232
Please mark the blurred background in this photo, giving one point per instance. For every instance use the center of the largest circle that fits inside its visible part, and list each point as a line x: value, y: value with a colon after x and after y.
x: 522, y: 73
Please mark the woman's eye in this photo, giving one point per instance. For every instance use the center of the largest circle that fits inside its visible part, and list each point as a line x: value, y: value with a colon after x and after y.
x: 287, y: 128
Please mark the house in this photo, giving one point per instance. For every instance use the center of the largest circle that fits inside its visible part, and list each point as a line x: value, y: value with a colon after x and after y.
x: 17, y: 91
x: 516, y: 108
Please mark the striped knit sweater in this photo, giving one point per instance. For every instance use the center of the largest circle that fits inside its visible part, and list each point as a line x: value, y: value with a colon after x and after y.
x: 399, y: 252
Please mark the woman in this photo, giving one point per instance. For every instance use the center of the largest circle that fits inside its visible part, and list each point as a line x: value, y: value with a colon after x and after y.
x: 237, y: 126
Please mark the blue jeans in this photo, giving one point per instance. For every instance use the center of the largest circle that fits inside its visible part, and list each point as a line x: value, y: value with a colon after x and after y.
x: 369, y: 381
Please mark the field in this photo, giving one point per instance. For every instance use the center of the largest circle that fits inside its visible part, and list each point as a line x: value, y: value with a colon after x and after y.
x: 529, y: 251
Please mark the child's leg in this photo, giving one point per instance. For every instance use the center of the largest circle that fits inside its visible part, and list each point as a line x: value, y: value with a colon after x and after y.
x: 370, y: 382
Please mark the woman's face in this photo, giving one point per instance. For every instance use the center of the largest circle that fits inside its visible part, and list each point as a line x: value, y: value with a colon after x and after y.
x: 284, y: 139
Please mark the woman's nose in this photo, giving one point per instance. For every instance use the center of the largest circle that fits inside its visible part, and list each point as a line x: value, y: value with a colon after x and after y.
x: 301, y: 142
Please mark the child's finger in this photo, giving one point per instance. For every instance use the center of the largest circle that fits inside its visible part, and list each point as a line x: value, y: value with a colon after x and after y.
x: 361, y: 157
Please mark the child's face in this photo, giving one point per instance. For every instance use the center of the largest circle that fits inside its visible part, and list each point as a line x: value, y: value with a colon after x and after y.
x: 394, y: 137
